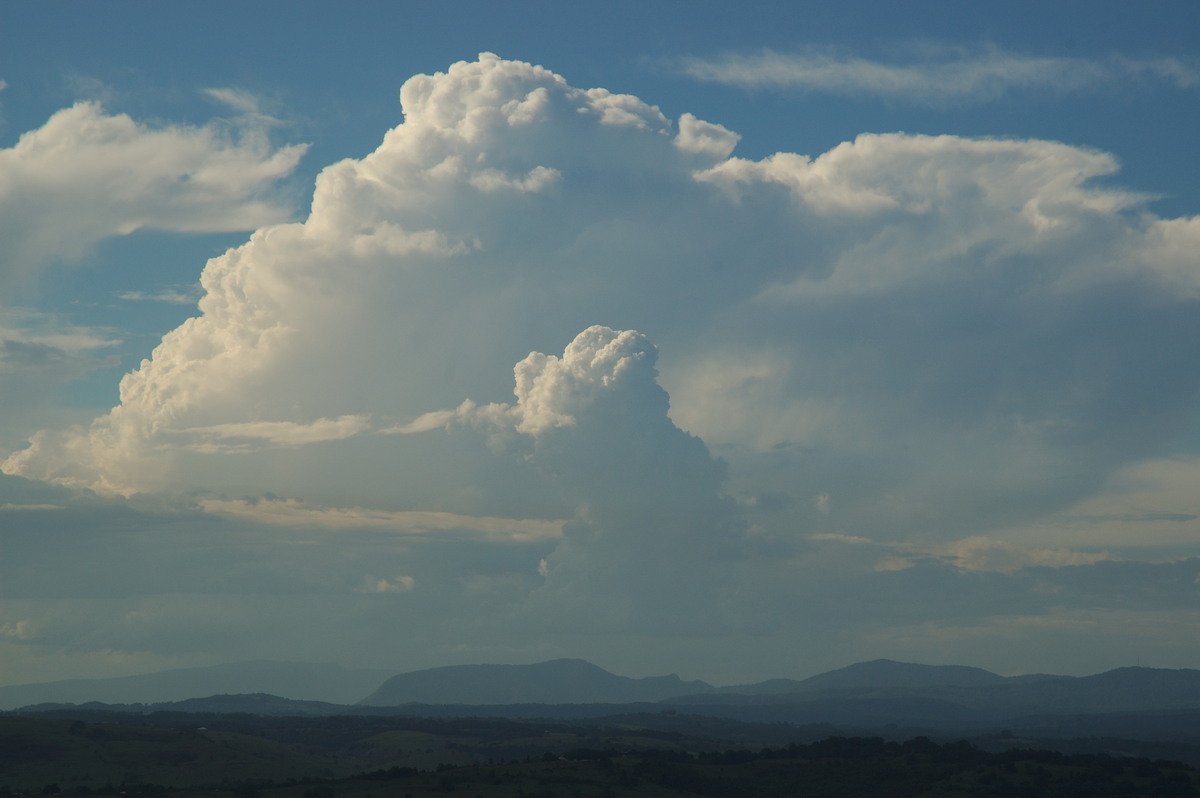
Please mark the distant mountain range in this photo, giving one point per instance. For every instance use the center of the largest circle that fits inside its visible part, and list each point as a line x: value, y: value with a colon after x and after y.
x: 296, y: 680
x: 576, y: 681
x: 875, y: 694
x: 866, y: 695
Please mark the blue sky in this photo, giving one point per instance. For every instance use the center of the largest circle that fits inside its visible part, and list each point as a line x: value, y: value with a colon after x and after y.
x: 685, y: 338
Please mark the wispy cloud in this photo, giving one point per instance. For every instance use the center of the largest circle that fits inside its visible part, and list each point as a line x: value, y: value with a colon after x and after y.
x: 34, y: 344
x: 933, y: 75
x: 170, y: 295
x: 249, y: 107
x: 286, y: 433
x: 975, y: 553
x: 237, y: 99
x: 376, y: 584
x: 292, y: 513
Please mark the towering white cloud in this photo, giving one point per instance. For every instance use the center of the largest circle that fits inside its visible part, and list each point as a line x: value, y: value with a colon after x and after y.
x: 653, y: 540
x: 935, y: 334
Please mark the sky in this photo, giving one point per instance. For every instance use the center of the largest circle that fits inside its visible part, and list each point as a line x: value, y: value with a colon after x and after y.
x: 736, y: 343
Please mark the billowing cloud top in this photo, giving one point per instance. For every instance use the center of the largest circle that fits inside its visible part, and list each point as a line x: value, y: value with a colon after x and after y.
x: 895, y: 325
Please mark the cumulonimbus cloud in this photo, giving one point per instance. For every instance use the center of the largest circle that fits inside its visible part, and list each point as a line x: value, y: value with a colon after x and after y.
x: 650, y: 514
x: 935, y: 77
x: 933, y: 332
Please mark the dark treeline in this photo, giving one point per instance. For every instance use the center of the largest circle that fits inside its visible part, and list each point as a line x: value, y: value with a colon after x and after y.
x: 245, y: 756
x: 838, y: 766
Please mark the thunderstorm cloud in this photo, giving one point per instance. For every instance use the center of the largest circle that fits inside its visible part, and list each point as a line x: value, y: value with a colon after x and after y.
x: 644, y: 383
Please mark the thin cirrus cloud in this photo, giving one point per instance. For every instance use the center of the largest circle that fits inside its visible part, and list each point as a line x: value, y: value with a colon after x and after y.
x: 285, y: 433
x: 242, y: 101
x: 977, y: 553
x: 291, y: 513
x: 936, y: 76
x: 169, y: 296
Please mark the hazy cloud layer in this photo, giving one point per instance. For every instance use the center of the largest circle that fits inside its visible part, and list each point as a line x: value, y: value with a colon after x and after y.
x: 935, y: 75
x: 151, y: 583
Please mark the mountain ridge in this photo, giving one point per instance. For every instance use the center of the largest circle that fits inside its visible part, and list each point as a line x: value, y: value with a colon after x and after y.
x: 327, y: 682
x: 879, y: 690
x: 559, y: 681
